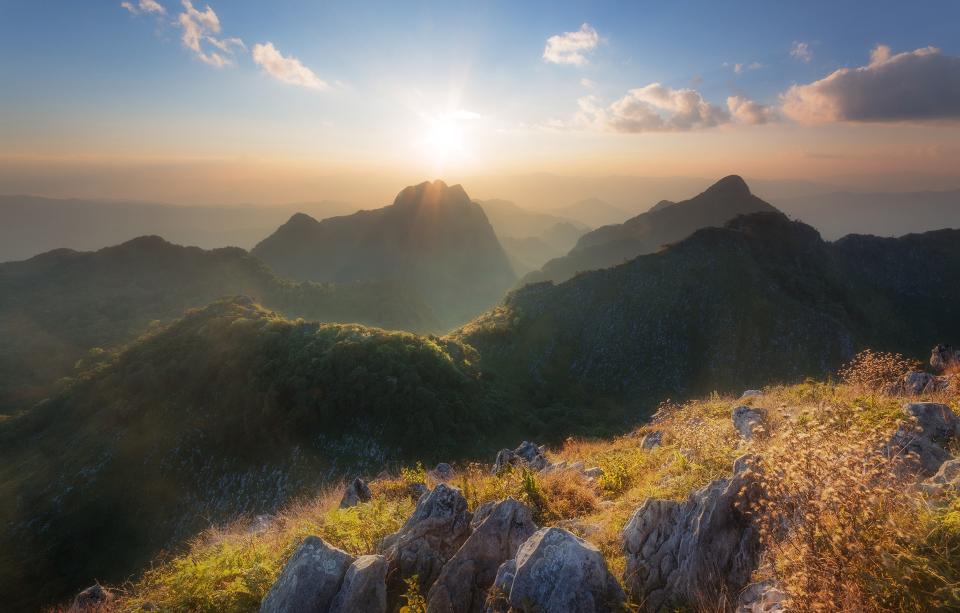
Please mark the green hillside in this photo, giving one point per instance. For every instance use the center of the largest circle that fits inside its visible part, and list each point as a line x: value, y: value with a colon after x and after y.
x: 57, y: 307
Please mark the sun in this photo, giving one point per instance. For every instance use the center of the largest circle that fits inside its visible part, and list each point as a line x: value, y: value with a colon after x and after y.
x: 444, y: 141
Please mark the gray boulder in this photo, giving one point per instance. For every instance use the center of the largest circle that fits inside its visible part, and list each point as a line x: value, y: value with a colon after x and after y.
x: 677, y: 552
x: 763, y: 597
x: 651, y: 440
x: 465, y: 580
x: 357, y: 491
x: 947, y: 479
x: 750, y: 394
x: 364, y: 588
x: 528, y: 455
x: 436, y: 530
x: 917, y: 383
x: 417, y: 491
x: 91, y: 599
x: 556, y: 572
x: 749, y: 421
x: 944, y: 357
x: 443, y: 471
x: 923, y: 445
x: 310, y: 580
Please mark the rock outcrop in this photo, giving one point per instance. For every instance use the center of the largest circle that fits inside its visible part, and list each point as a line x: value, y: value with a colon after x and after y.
x: 923, y: 445
x: 919, y: 382
x: 763, y: 597
x: 310, y: 580
x: 364, y: 588
x: 651, y: 440
x: 945, y: 357
x: 91, y: 599
x: 527, y: 455
x: 436, y: 530
x: 947, y: 479
x: 556, y: 572
x: 357, y: 491
x: 706, y: 544
x: 749, y: 421
x: 465, y: 580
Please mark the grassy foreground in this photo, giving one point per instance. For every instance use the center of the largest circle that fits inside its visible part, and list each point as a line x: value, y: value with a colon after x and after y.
x: 862, y: 537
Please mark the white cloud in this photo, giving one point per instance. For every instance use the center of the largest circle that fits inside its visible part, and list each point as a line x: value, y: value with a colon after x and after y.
x: 589, y: 84
x: 801, y: 51
x: 747, y: 111
x: 653, y: 108
x: 285, y: 68
x: 914, y: 86
x: 741, y: 68
x: 199, y: 27
x: 145, y: 6
x: 571, y: 47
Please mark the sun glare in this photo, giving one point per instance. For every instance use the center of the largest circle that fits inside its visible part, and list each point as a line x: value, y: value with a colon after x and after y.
x: 446, y: 142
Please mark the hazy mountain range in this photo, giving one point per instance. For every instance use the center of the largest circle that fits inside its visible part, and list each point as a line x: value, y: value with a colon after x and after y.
x: 433, y: 239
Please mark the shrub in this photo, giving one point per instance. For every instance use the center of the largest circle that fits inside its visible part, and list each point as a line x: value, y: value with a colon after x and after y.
x: 877, y: 372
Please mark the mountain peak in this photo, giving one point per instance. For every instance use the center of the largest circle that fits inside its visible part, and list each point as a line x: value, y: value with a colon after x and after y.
x: 732, y: 185
x: 436, y: 193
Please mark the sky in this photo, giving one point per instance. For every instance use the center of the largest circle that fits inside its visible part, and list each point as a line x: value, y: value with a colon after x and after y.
x: 239, y: 100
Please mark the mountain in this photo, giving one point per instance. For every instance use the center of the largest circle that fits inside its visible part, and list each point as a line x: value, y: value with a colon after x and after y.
x: 235, y: 410
x: 647, y: 232
x: 433, y: 238
x: 57, y: 307
x: 761, y: 299
x: 510, y: 220
x: 231, y: 410
x: 529, y: 253
x: 593, y: 212
x: 31, y: 225
x: 884, y: 214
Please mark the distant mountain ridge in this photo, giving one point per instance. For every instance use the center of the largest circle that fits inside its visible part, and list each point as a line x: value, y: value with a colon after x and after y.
x: 433, y: 238
x: 30, y: 225
x: 761, y: 299
x: 57, y: 306
x: 665, y: 223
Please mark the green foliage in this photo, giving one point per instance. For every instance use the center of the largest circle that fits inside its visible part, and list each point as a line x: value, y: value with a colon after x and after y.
x: 414, y: 601
x: 358, y: 529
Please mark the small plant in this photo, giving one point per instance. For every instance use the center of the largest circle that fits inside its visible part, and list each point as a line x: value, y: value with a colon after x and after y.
x: 414, y: 602
x: 877, y: 372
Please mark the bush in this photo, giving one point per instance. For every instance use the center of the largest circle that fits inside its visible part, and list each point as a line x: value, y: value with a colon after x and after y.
x: 877, y: 372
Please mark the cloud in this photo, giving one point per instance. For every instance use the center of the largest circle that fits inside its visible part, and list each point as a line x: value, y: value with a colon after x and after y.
x: 589, y: 84
x: 199, y: 29
x: 285, y: 68
x: 570, y: 47
x: 914, y: 86
x: 747, y: 111
x: 801, y: 51
x: 145, y: 6
x: 653, y: 108
x: 741, y: 68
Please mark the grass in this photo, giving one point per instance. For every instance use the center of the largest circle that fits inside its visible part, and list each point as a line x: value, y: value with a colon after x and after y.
x: 857, y: 538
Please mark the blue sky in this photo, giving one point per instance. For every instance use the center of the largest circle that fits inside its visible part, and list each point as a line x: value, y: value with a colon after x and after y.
x: 95, y: 79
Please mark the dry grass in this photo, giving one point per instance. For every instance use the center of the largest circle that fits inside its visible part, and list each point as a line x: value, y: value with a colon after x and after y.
x: 872, y: 371
x: 842, y: 530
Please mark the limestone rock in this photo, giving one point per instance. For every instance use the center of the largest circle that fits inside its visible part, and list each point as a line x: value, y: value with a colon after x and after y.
x: 749, y: 421
x: 436, y: 530
x: 357, y: 491
x: 945, y: 357
x: 750, y: 394
x: 364, y: 588
x: 465, y: 580
x: 527, y: 455
x: 651, y: 440
x: 707, y: 544
x: 917, y: 383
x: 417, y: 490
x: 556, y: 572
x: 947, y: 479
x: 763, y: 597
x: 310, y: 580
x: 923, y: 445
x: 443, y: 471
x: 91, y: 599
